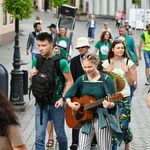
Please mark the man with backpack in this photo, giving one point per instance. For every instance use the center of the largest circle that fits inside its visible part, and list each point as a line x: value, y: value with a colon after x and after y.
x: 32, y: 42
x: 53, y: 71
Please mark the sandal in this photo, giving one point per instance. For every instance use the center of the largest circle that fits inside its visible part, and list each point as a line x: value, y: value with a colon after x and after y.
x: 50, y: 143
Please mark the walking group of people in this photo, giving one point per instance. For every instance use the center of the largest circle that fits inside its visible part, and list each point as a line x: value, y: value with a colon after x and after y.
x: 85, y: 74
x: 118, y: 56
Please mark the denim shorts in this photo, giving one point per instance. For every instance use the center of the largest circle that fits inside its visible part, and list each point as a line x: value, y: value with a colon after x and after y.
x: 147, y: 58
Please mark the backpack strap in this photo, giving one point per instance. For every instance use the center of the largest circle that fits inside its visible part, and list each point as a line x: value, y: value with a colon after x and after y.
x: 103, y: 77
x: 127, y: 61
x: 56, y: 61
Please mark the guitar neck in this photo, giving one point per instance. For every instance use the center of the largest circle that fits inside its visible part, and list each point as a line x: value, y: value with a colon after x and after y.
x: 93, y: 104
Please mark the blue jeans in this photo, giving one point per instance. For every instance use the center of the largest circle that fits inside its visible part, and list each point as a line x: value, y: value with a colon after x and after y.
x: 91, y: 33
x: 57, y: 115
x: 33, y: 55
x: 147, y: 58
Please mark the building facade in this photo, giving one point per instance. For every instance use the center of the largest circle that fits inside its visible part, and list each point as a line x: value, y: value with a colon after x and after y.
x: 108, y: 8
x: 104, y: 8
x: 7, y: 27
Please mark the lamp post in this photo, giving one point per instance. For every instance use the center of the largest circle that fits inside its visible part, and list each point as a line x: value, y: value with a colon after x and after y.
x: 16, y: 92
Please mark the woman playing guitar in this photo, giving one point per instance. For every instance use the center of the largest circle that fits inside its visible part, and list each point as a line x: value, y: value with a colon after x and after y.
x: 104, y: 123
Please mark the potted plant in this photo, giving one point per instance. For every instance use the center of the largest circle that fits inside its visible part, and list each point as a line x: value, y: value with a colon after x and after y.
x: 81, y: 16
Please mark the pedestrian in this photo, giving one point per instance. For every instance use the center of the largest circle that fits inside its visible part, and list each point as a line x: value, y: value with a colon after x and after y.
x: 91, y: 26
x: 53, y: 31
x: 122, y: 16
x: 77, y: 70
x: 32, y: 42
x: 62, y: 42
x: 128, y: 28
x: 50, y: 142
x: 103, y: 45
x: 118, y: 20
x: 148, y: 99
x: 130, y: 44
x: 38, y: 19
x: 106, y: 28
x: 56, y: 49
x: 146, y: 51
x: 53, y: 107
x: 11, y: 135
x: 132, y: 57
x: 119, y: 63
x: 91, y: 83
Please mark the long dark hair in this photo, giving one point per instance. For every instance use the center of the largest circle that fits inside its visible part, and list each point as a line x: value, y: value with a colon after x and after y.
x: 7, y: 114
x: 111, y: 53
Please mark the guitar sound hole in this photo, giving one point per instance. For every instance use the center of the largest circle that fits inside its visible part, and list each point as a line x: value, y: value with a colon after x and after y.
x: 80, y: 113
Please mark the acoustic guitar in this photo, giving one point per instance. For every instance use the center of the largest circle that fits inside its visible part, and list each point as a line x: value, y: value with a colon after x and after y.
x: 76, y: 119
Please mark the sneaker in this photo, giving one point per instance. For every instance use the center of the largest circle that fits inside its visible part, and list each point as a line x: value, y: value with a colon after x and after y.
x: 74, y: 147
x: 147, y: 83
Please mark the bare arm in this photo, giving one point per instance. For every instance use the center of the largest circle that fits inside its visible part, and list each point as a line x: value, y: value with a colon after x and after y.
x: 95, y: 51
x: 22, y: 147
x: 131, y: 75
x: 140, y: 49
x: 69, y: 81
x: 148, y: 100
x: 68, y: 84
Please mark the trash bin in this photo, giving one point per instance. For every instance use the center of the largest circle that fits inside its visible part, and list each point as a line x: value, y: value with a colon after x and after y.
x: 25, y: 82
x: 3, y: 80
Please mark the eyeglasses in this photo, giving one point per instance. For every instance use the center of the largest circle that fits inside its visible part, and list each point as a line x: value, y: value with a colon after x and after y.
x: 89, y: 57
x: 81, y: 47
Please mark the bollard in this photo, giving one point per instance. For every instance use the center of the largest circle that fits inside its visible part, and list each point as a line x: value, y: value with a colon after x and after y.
x: 3, y: 80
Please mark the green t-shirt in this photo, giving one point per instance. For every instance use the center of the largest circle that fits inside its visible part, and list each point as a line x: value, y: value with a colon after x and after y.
x: 103, y: 48
x: 63, y: 41
x: 64, y: 67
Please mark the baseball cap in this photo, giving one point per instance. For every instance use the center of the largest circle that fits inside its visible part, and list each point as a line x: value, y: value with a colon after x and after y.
x: 51, y: 26
x: 105, y: 23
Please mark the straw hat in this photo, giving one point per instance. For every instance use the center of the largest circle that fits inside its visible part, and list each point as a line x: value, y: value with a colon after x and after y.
x: 82, y: 41
x: 118, y: 80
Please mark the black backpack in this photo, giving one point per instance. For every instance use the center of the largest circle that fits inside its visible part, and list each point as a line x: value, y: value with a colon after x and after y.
x: 44, y: 84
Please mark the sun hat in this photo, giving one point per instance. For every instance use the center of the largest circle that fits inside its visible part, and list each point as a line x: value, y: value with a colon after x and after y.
x: 82, y: 41
x: 118, y: 80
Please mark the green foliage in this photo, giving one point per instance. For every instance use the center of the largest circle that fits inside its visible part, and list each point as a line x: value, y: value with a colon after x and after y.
x: 58, y: 3
x: 136, y: 2
x: 19, y: 9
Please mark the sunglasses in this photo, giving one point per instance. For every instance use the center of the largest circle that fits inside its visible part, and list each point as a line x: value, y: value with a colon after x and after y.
x: 81, y: 47
x: 89, y: 57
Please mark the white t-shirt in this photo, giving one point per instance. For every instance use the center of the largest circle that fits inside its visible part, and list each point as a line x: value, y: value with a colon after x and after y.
x: 119, y: 71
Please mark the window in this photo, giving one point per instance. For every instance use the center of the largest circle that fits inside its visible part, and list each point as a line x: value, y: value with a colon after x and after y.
x: 11, y: 19
x: 4, y: 18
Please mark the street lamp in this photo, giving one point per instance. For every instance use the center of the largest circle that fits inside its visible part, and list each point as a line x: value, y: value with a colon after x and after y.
x: 16, y: 92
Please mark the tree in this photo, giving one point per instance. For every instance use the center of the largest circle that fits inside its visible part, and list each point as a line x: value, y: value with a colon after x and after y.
x: 58, y: 3
x: 136, y: 2
x: 19, y: 9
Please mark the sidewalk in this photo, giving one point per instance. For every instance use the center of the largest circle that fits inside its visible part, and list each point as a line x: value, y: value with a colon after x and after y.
x: 140, y: 113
